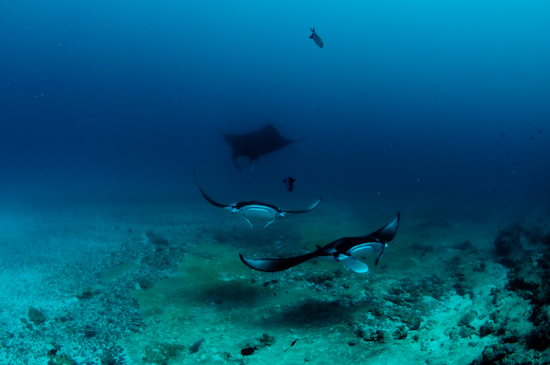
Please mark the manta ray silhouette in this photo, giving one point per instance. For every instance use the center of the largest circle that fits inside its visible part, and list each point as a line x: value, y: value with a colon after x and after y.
x: 256, y: 144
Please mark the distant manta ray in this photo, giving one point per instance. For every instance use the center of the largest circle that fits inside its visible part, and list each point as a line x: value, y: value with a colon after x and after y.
x: 256, y: 144
x: 345, y: 250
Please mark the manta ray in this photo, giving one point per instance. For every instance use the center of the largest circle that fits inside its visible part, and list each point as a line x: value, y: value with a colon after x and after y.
x: 256, y: 144
x: 345, y: 250
x: 256, y: 210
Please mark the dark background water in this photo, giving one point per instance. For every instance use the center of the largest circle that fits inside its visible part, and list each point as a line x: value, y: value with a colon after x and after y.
x: 409, y: 104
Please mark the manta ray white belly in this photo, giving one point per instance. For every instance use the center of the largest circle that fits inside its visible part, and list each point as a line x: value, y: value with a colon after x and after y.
x: 259, y: 215
x: 366, y: 249
x: 356, y: 253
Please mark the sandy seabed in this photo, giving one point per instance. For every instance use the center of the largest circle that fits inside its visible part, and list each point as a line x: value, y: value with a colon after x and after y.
x: 163, y: 284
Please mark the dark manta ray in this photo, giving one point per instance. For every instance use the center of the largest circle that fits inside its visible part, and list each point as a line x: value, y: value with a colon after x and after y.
x: 256, y: 210
x: 344, y: 250
x: 256, y: 144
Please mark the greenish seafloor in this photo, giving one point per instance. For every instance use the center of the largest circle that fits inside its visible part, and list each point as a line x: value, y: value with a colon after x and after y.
x: 162, y: 284
x: 420, y: 299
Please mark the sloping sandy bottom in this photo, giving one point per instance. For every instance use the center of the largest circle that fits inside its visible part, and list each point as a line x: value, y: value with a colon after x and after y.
x: 111, y: 291
x: 214, y: 297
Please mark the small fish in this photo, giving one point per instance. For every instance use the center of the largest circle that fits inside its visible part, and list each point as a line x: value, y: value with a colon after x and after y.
x: 316, y: 38
x: 292, y: 344
x: 289, y: 182
x: 248, y: 351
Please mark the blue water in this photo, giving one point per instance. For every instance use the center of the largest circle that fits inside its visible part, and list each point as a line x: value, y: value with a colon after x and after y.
x: 409, y: 103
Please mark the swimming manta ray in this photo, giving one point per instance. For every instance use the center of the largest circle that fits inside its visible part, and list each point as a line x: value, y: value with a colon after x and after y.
x: 345, y: 250
x: 256, y: 144
x: 256, y: 210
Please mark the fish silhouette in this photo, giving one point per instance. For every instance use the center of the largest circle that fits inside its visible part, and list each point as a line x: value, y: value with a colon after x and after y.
x: 316, y: 38
x: 289, y: 182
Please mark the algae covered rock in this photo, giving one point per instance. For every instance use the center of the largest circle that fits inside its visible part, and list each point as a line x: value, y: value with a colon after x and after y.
x: 401, y: 333
x: 487, y: 328
x: 87, y: 293
x: 539, y: 338
x: 467, y: 319
x: 495, y: 353
x: 155, y: 239
x: 36, y: 316
x: 508, y: 247
x: 64, y: 359
x: 194, y: 348
x: 59, y: 358
x: 267, y: 340
x: 414, y: 323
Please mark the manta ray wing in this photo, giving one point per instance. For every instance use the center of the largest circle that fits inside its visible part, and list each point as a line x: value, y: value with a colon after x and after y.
x: 313, y: 206
x: 208, y: 199
x: 272, y: 265
x: 387, y: 233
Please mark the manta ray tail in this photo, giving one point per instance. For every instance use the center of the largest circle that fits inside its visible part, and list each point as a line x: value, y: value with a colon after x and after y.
x: 271, y: 265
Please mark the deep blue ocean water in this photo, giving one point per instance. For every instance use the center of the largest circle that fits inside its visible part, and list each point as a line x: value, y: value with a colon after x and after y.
x: 409, y: 104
